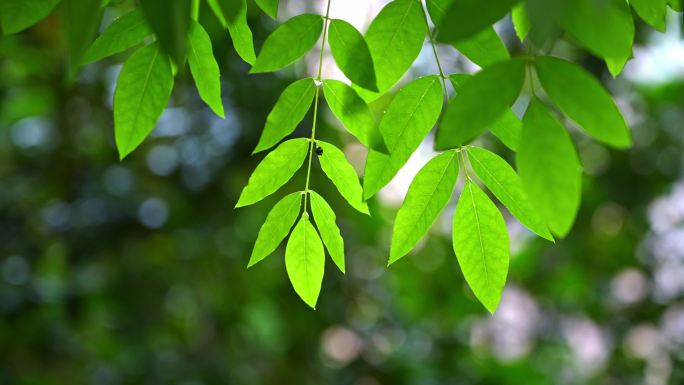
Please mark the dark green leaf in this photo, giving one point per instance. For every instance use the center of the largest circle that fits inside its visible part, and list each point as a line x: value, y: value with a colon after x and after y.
x: 274, y: 171
x: 278, y: 223
x: 463, y: 19
x: 289, y: 110
x: 351, y: 54
x: 484, y: 49
x: 325, y: 221
x: 305, y: 261
x: 81, y: 22
x: 549, y: 169
x: 336, y: 166
x: 480, y: 241
x: 17, y: 15
x: 142, y: 92
x: 580, y: 96
x: 125, y: 32
x: 170, y: 21
x: 204, y: 68
x: 427, y: 196
x: 290, y: 41
x: 410, y: 116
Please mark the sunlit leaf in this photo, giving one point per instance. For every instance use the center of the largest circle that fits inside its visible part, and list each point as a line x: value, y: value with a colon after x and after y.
x: 480, y: 241
x: 549, y: 169
x: 324, y: 216
x: 427, y: 196
x: 204, y: 68
x: 270, y: 7
x: 290, y: 41
x: 125, y: 32
x: 278, y: 223
x: 336, y: 166
x: 289, y: 110
x: 142, y: 92
x: 274, y: 171
x: 305, y: 261
x: 354, y: 113
x: 413, y: 112
x: 233, y: 15
x: 17, y: 15
x: 351, y: 54
x: 653, y: 12
x: 505, y: 184
x: 484, y: 49
x: 582, y: 97
x: 463, y: 19
x: 521, y: 22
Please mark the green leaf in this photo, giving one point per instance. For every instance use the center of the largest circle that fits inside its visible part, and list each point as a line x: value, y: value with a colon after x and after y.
x: 413, y: 112
x: 549, y: 169
x: 521, y: 23
x: 484, y: 49
x: 233, y: 15
x: 325, y: 221
x: 290, y: 41
x: 81, y: 22
x: 505, y: 184
x: 125, y: 32
x: 170, y: 21
x: 480, y: 242
x: 342, y: 174
x: 395, y: 38
x: 427, y: 196
x: 289, y: 110
x: 270, y: 7
x: 463, y: 19
x: 354, y: 113
x: 142, y: 92
x: 677, y: 5
x: 352, y: 54
x: 580, y: 96
x: 204, y: 68
x: 274, y: 171
x: 653, y: 12
x: 17, y: 15
x: 480, y: 102
x: 278, y: 223
x: 305, y: 261
x: 605, y: 28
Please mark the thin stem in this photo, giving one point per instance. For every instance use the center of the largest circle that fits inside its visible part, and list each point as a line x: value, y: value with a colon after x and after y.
x: 434, y: 51
x: 312, y: 141
x: 195, y: 10
x: 462, y: 150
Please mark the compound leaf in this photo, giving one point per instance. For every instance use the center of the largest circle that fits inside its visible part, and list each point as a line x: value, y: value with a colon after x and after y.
x: 278, y: 223
x: 336, y: 166
x: 290, y: 41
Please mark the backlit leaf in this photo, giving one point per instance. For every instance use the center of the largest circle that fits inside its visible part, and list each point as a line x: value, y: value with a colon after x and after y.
x: 125, y: 32
x: 290, y: 41
x: 274, y: 171
x: 325, y: 221
x: 204, y: 68
x: 305, y: 261
x: 289, y: 110
x: 142, y: 92
x: 351, y: 54
x: 278, y: 223
x: 480, y: 241
x: 549, y: 169
x: 463, y: 19
x: 336, y: 166
x: 652, y: 12
x: 233, y: 15
x: 427, y: 196
x: 413, y: 112
x: 484, y: 49
x: 270, y: 7
x: 521, y: 23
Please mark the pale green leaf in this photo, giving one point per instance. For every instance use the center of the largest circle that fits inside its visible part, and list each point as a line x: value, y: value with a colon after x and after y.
x: 274, y: 171
x: 289, y: 110
x: 481, y: 101
x: 605, y: 28
x: 582, y: 98
x: 204, y: 68
x: 521, y: 23
x: 305, y: 261
x: 336, y: 166
x: 351, y: 54
x: 170, y: 21
x: 142, y: 92
x: 484, y: 49
x: 505, y: 184
x: 463, y: 19
x: 653, y: 12
x: 270, y: 7
x: 81, y: 22
x: 325, y: 221
x: 290, y: 41
x: 395, y: 38
x: 413, y: 112
x: 233, y: 15
x: 125, y: 32
x: 427, y: 196
x: 354, y: 113
x: 278, y: 223
x: 480, y: 241
x: 549, y: 169
x: 17, y: 15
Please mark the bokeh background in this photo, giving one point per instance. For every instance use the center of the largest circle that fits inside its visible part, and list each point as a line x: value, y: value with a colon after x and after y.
x: 134, y: 272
